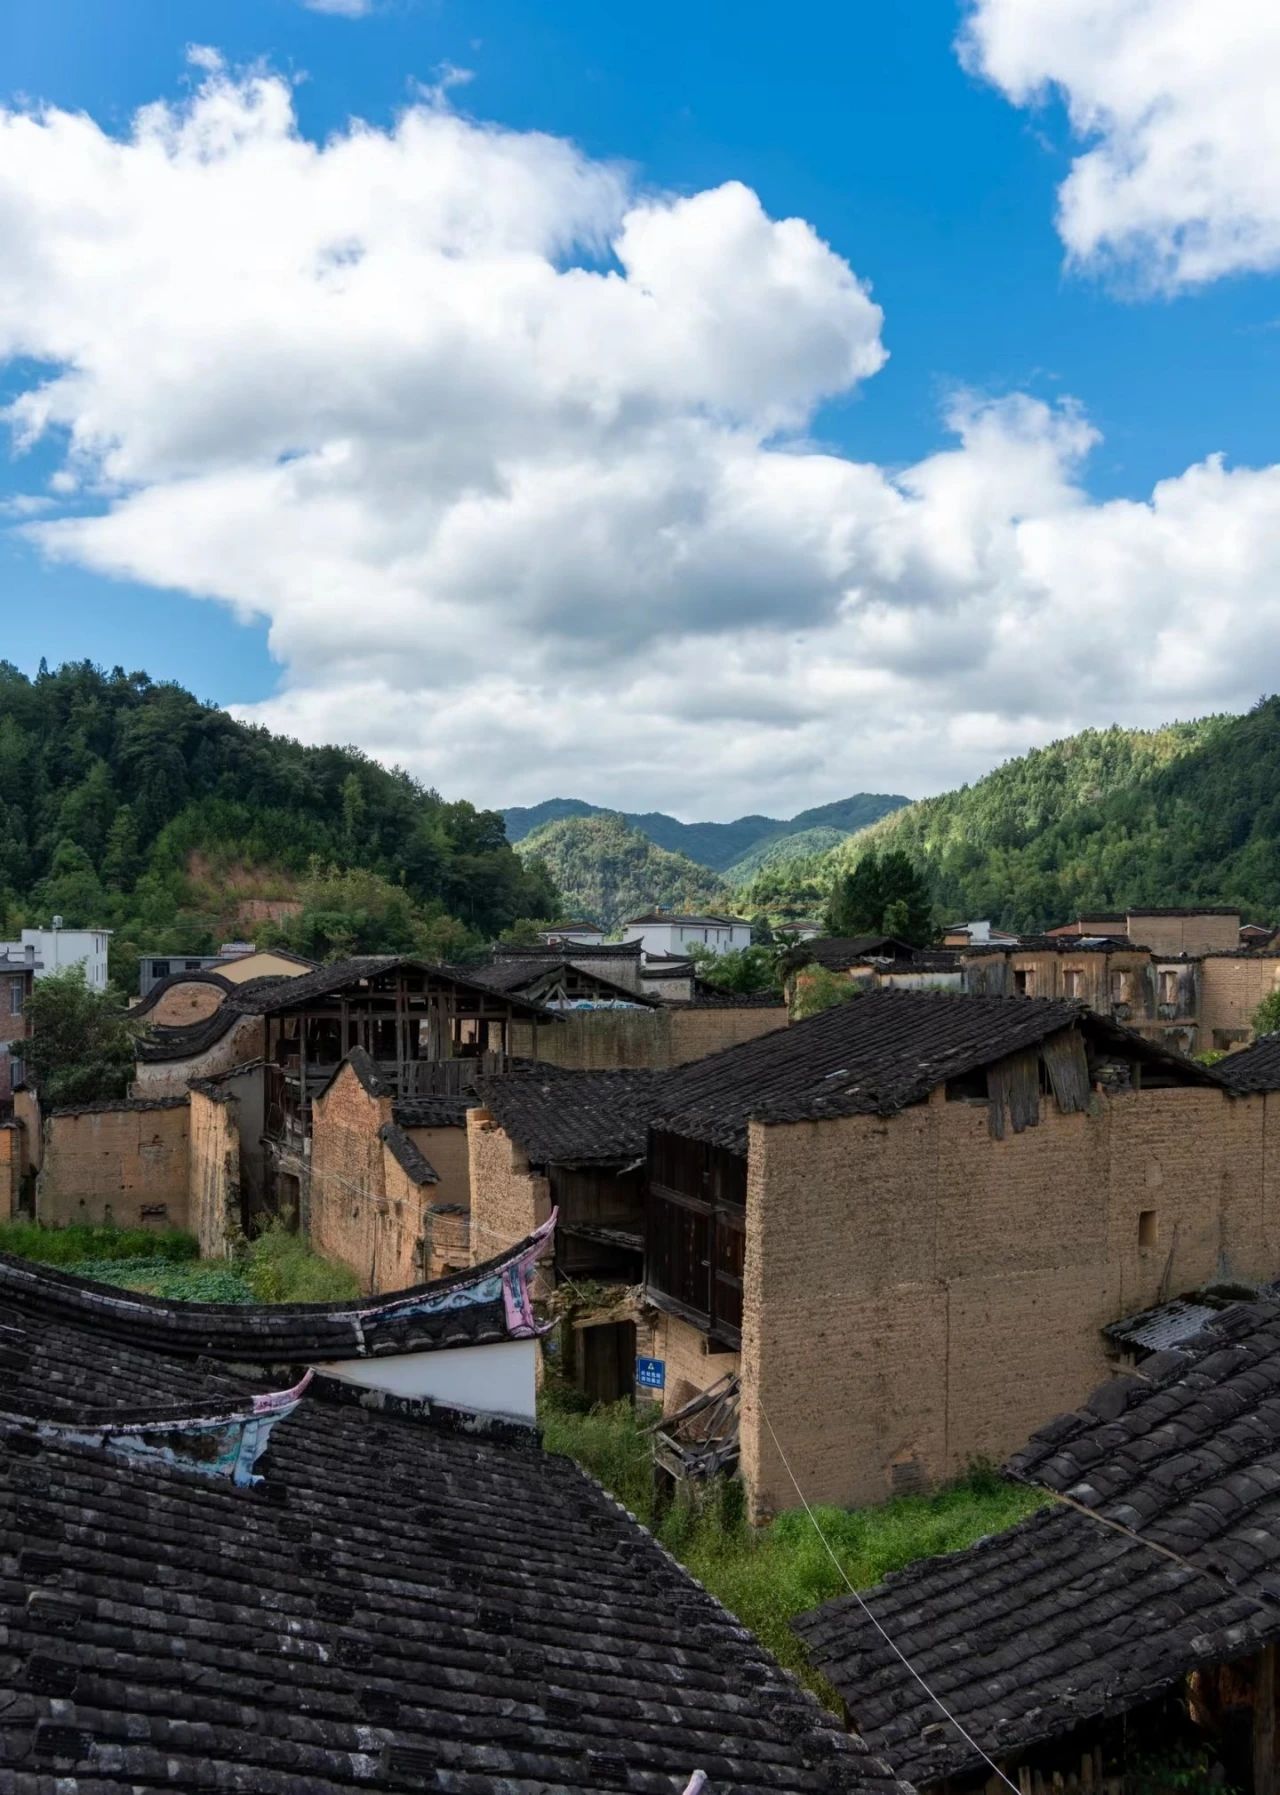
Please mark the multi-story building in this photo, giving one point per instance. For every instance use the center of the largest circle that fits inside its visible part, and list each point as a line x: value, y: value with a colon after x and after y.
x: 57, y: 948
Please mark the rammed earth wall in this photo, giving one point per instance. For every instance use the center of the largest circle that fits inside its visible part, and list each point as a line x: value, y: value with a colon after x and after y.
x: 603, y: 1040
x: 125, y: 1163
x: 918, y: 1294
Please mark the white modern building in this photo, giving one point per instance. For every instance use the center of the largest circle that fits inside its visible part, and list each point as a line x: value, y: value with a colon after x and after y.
x: 575, y: 934
x: 661, y: 932
x: 57, y: 948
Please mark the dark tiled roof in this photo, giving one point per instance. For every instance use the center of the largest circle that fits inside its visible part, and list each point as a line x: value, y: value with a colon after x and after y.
x: 578, y: 950
x: 157, y: 991
x: 365, y: 1067
x: 105, y: 1105
x: 464, y: 1309
x: 515, y: 975
x: 1025, y: 1637
x: 707, y: 997
x: 1255, y: 1068
x: 296, y: 993
x: 412, y: 1160
x: 1057, y: 944
x: 872, y: 1055
x: 403, y: 1604
x: 562, y: 1117
x: 1186, y: 1453
x: 161, y: 1044
x: 433, y: 1112
x: 836, y: 952
x: 706, y: 919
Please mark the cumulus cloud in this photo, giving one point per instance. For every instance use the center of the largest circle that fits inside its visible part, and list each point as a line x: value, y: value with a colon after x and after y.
x: 1175, y: 100
x: 345, y: 9
x: 515, y: 459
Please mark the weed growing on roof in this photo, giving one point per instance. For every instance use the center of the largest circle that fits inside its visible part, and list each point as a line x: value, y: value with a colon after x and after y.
x: 78, y: 1243
x: 768, y: 1576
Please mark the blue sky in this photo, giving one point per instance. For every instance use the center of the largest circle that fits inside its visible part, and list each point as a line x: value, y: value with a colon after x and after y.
x: 935, y: 188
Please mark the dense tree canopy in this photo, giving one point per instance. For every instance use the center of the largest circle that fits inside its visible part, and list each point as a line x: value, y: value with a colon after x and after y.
x: 608, y: 871
x: 882, y: 894
x: 128, y: 804
x: 82, y: 1044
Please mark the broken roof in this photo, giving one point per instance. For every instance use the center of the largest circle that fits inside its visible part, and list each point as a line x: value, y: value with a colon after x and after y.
x: 838, y: 952
x: 262, y: 997
x: 564, y: 1117
x: 873, y: 1055
x: 515, y: 975
x: 1255, y: 1068
x: 433, y: 1112
x: 411, y: 1598
x: 1055, y: 944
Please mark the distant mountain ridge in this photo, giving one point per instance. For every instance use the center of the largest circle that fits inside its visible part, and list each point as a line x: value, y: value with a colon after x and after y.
x: 716, y: 845
x: 608, y: 871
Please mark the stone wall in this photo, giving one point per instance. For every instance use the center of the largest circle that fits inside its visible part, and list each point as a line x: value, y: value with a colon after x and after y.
x: 1231, y: 988
x: 214, y: 1187
x: 243, y: 1041
x: 508, y: 1199
x: 918, y: 1294
x: 604, y: 1040
x: 124, y: 1162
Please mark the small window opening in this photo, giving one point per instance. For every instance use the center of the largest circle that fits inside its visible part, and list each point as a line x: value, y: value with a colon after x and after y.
x: 1071, y: 982
x: 1022, y: 983
x: 1147, y: 1228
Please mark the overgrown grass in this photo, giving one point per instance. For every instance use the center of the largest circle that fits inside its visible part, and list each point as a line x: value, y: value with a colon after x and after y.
x: 278, y: 1266
x: 766, y: 1577
x: 281, y: 1268
x: 78, y: 1244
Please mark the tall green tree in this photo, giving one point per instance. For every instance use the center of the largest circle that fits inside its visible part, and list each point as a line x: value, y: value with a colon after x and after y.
x: 882, y: 894
x: 82, y: 1044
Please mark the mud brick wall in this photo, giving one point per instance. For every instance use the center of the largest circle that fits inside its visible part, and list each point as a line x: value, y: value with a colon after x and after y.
x: 918, y: 1294
x: 214, y: 1174
x: 349, y: 1217
x: 605, y: 1040
x: 169, y: 1078
x: 508, y: 1199
x: 125, y: 1163
x: 185, y: 1003
x: 1230, y: 991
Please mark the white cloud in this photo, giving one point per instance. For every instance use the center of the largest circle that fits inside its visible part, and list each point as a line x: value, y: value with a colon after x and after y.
x: 345, y: 9
x: 514, y: 459
x: 1175, y: 99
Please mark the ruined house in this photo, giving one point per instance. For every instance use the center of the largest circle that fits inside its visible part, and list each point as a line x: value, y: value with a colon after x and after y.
x: 1138, y: 1613
x: 905, y: 1223
x: 17, y: 979
x: 303, y: 1550
x: 546, y: 1140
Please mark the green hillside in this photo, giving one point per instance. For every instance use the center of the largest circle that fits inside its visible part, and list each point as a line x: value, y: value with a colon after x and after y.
x: 129, y: 804
x: 719, y: 846
x: 783, y: 850
x: 607, y: 871
x: 1180, y: 815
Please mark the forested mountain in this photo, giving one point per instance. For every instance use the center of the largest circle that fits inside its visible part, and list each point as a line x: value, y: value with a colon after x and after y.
x: 782, y: 850
x: 717, y: 845
x: 129, y: 804
x: 607, y: 871
x: 1181, y: 815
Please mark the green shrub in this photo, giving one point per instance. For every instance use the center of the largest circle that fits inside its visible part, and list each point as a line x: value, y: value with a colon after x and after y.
x: 73, y: 1245
x: 201, y: 1281
x: 768, y: 1576
x: 281, y: 1268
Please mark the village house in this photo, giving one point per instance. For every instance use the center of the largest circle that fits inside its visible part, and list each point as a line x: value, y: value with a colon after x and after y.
x: 321, y: 1549
x: 17, y: 979
x: 573, y: 934
x: 664, y: 932
x: 236, y: 961
x: 1130, y: 1627
x: 544, y: 1141
x: 976, y: 934
x: 57, y: 949
x: 905, y: 1224
x: 873, y: 962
